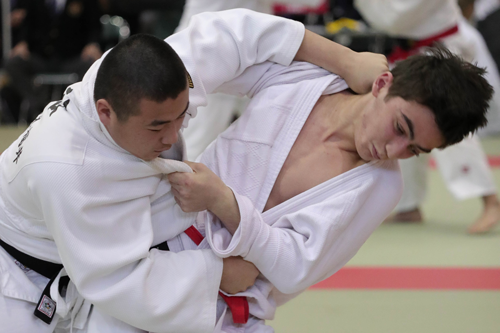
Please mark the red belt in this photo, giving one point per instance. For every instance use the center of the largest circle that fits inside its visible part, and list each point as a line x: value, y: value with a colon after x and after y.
x: 399, y: 54
x: 237, y: 304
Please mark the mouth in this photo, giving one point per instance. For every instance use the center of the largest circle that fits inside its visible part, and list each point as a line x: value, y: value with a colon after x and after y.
x: 163, y: 149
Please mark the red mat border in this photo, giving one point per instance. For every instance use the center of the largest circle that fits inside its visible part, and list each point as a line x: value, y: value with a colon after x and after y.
x: 451, y: 278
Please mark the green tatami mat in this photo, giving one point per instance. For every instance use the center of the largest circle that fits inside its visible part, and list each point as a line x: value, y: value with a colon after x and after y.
x: 364, y: 311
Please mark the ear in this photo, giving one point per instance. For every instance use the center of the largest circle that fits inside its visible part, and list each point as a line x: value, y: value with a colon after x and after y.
x: 383, y: 80
x: 105, y: 111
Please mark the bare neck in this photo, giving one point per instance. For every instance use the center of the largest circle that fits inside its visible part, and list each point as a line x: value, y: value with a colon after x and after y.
x: 340, y: 113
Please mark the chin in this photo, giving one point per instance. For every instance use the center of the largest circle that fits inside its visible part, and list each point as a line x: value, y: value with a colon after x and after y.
x: 155, y: 155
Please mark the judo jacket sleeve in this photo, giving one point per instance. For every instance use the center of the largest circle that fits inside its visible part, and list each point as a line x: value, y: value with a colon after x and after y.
x: 218, y: 47
x: 308, y: 242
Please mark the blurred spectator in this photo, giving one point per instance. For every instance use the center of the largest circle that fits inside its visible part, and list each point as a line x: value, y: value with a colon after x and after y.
x: 17, y: 16
x: 54, y: 36
x: 157, y: 17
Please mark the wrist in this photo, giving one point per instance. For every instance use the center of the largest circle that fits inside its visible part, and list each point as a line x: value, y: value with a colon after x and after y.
x: 226, y: 208
x: 347, y: 63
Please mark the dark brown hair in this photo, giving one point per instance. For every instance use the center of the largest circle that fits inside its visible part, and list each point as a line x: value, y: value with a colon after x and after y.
x: 455, y: 90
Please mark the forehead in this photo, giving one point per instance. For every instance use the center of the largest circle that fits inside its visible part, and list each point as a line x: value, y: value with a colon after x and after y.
x: 167, y: 110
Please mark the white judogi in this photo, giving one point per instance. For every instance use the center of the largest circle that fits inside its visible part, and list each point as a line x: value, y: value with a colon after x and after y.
x: 70, y: 195
x: 221, y: 108
x: 464, y: 166
x: 309, y: 237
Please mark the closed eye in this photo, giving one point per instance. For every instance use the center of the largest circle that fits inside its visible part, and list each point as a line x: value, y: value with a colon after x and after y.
x: 400, y: 129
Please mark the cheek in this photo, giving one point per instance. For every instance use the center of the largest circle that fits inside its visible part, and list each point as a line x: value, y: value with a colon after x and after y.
x: 364, y: 122
x: 389, y: 132
x: 178, y: 124
x: 144, y: 139
x: 363, y: 128
x: 368, y: 131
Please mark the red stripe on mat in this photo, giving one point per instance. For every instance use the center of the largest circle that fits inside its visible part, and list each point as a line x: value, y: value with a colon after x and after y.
x: 494, y: 162
x: 413, y: 278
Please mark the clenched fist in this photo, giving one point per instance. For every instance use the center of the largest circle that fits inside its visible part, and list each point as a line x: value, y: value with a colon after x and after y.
x: 204, y: 190
x: 237, y: 275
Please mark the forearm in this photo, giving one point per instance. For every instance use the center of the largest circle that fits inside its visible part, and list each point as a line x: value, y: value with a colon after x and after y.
x: 291, y: 259
x: 325, y: 53
x: 359, y: 70
x: 226, y: 208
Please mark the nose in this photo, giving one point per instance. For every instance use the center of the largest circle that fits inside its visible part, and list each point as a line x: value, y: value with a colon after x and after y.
x: 398, y: 149
x: 170, y: 137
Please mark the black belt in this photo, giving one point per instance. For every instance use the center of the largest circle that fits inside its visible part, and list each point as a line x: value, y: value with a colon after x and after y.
x: 46, y: 268
x: 42, y: 267
x: 162, y: 246
x: 46, y: 307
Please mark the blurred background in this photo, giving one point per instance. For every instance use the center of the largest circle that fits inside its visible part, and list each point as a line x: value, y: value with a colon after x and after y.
x: 434, y: 266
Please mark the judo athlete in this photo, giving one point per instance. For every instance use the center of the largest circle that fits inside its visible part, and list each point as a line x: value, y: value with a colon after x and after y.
x: 299, y: 182
x: 464, y: 167
x: 85, y: 209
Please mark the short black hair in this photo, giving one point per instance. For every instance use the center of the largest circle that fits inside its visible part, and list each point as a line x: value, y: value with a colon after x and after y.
x: 141, y: 66
x: 454, y: 89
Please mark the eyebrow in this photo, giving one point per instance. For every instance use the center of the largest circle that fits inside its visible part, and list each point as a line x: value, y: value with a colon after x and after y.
x: 412, y: 133
x: 155, y: 123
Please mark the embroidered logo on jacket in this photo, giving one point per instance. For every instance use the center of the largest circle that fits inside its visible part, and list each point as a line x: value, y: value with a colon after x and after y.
x: 47, y: 306
x: 25, y: 136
